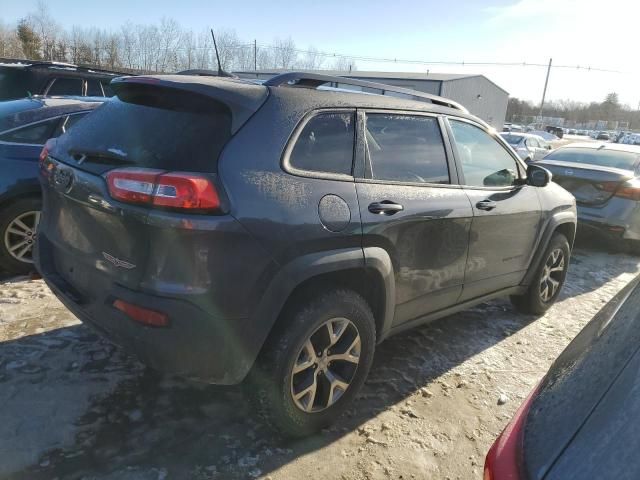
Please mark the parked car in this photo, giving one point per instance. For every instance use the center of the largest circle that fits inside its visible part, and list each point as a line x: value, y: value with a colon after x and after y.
x: 529, y: 148
x: 604, y: 179
x: 23, y: 78
x: 602, y: 136
x: 223, y: 229
x: 557, y: 131
x: 572, y: 132
x: 25, y: 125
x: 581, y: 420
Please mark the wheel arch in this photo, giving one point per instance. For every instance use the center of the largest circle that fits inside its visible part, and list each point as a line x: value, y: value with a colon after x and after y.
x: 562, y: 222
x: 367, y: 271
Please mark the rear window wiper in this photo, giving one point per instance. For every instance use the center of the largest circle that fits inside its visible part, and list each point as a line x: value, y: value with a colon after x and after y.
x: 98, y: 156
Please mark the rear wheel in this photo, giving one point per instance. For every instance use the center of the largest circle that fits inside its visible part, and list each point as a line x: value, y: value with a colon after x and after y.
x: 18, y: 230
x: 549, y: 278
x: 314, y: 363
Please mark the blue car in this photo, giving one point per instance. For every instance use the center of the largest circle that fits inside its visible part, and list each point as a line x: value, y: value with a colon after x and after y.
x: 25, y: 125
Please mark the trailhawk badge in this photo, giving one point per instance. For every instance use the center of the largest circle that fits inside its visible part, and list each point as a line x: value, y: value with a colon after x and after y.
x: 117, y: 262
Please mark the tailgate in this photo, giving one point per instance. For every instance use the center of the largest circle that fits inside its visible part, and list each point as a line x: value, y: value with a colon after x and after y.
x: 87, y: 234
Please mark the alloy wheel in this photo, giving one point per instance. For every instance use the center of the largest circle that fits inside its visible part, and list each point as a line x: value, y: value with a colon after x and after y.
x: 20, y: 236
x: 326, y: 365
x: 552, y: 275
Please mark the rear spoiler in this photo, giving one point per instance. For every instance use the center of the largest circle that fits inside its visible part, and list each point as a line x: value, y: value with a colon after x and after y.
x: 241, y: 97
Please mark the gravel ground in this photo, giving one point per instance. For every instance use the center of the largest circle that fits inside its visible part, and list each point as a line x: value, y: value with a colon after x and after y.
x: 74, y: 406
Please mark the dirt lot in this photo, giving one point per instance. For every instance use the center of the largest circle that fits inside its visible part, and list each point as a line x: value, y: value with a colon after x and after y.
x: 74, y: 406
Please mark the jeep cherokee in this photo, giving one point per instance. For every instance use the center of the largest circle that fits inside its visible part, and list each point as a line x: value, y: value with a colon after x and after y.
x: 222, y: 229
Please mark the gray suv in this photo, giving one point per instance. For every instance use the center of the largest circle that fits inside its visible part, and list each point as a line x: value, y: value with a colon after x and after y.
x: 275, y: 233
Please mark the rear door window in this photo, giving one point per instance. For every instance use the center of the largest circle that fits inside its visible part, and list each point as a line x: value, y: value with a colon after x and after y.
x: 155, y: 128
x: 325, y: 144
x: 405, y: 148
x: 35, y: 134
x: 66, y: 86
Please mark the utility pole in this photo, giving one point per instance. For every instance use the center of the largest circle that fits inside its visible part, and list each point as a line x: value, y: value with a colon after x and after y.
x: 255, y: 55
x: 544, y: 92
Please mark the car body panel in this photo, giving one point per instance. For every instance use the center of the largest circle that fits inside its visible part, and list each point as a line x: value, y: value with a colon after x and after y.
x: 577, y: 382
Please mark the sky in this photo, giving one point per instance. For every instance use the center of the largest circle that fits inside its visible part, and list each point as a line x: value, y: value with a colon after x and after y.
x: 586, y: 33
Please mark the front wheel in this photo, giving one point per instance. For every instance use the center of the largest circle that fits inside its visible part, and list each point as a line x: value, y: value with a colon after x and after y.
x: 549, y: 278
x: 315, y: 362
x: 18, y: 229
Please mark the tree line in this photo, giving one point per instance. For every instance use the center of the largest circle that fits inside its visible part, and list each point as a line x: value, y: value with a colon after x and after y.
x: 576, y: 113
x: 162, y: 47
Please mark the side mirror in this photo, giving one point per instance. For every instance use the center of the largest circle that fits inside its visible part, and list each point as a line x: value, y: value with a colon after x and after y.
x: 538, y: 176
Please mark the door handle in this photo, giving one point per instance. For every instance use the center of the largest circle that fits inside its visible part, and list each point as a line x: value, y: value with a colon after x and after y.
x: 486, y: 205
x: 386, y: 207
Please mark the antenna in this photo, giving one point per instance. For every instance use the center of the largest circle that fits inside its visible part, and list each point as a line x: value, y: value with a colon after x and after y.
x: 221, y: 73
x: 215, y: 46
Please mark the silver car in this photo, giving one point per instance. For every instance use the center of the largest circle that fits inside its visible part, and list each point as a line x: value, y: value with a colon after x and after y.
x: 529, y: 148
x: 605, y: 180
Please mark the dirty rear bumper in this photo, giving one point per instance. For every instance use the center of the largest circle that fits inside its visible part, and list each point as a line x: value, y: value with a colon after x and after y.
x: 196, y: 344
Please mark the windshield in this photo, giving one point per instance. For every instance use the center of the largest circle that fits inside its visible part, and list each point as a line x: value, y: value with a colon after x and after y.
x: 513, y: 139
x: 591, y: 156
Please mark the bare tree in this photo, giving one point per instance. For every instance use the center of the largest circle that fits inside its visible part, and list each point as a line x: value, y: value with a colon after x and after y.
x: 344, y: 64
x: 312, y: 59
x: 9, y: 42
x: 285, y: 54
x: 45, y: 27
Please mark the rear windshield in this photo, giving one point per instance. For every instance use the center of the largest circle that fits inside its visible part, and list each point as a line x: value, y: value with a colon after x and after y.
x: 152, y: 128
x: 512, y: 139
x: 602, y: 158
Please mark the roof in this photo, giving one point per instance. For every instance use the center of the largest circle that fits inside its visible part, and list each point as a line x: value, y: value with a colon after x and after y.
x: 14, y: 113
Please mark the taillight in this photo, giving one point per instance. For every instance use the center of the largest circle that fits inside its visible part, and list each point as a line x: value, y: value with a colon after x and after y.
x: 629, y: 189
x: 177, y: 190
x: 504, y: 460
x: 46, y: 149
x: 142, y: 315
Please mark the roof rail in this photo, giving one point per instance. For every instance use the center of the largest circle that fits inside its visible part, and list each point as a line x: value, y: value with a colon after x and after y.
x: 52, y: 63
x: 314, y: 80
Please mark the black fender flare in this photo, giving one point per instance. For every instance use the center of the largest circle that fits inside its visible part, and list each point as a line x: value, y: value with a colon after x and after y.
x: 554, y: 221
x: 303, y: 268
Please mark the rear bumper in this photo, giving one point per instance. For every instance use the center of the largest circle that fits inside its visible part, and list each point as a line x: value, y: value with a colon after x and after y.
x: 619, y: 218
x: 196, y: 344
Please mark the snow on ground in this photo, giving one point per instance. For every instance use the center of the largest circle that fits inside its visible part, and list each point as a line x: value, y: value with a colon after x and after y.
x: 72, y: 405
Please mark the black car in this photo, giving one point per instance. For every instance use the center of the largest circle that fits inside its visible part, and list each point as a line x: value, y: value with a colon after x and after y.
x: 25, y: 125
x: 23, y: 78
x: 581, y: 420
x: 219, y: 228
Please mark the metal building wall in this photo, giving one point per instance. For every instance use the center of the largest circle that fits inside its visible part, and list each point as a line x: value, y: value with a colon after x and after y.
x: 480, y: 96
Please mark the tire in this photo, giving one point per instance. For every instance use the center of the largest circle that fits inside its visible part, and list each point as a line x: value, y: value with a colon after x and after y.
x: 536, y: 300
x: 26, y: 211
x: 272, y: 382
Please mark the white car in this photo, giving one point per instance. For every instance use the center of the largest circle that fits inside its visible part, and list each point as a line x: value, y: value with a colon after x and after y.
x: 529, y: 148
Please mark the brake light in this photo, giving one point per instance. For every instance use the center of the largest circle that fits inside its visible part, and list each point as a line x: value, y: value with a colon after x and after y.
x: 142, y: 315
x: 179, y: 190
x: 629, y: 189
x: 504, y: 459
x: 45, y: 150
